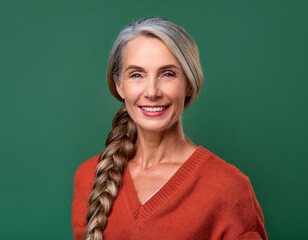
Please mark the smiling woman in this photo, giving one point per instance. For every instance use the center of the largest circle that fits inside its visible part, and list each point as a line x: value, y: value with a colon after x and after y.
x: 153, y: 85
x: 151, y: 181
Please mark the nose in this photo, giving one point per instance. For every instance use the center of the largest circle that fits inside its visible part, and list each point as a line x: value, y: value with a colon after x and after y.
x: 152, y: 89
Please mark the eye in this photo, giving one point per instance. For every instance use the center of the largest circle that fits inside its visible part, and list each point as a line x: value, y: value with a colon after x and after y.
x: 135, y: 75
x: 168, y: 74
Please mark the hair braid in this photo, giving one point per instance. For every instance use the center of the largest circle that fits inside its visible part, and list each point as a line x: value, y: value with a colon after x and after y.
x: 119, y: 149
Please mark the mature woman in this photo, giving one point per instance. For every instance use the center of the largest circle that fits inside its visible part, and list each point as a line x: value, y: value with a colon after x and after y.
x: 151, y: 181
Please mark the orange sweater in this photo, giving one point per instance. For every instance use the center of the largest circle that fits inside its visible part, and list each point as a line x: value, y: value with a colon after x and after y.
x: 206, y: 198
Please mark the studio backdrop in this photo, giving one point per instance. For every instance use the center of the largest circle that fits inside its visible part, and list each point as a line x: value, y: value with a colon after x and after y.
x: 56, y: 109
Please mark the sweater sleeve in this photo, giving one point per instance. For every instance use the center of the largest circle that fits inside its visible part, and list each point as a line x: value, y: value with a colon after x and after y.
x: 250, y: 220
x: 83, y: 183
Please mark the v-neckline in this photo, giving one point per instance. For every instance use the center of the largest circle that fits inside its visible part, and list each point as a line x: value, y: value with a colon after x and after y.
x: 139, y: 210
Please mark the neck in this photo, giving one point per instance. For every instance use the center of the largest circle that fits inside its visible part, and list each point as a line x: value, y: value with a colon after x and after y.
x: 159, y: 147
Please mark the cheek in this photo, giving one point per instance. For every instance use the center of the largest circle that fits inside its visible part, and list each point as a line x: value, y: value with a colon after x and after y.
x: 131, y: 93
x: 176, y: 93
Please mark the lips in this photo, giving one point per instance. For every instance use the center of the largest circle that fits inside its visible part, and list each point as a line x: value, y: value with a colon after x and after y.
x: 153, y: 111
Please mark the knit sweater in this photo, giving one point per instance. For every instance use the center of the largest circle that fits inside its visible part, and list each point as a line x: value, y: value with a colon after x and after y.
x: 206, y: 198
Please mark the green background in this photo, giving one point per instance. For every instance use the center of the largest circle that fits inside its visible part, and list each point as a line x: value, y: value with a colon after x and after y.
x: 56, y: 110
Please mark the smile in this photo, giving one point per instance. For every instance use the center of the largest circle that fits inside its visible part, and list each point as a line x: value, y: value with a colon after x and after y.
x: 153, y: 111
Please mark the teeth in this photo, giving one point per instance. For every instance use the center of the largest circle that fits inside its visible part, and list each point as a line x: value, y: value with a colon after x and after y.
x: 153, y: 109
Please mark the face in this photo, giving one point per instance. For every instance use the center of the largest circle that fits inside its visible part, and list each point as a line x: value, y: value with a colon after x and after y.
x: 152, y: 84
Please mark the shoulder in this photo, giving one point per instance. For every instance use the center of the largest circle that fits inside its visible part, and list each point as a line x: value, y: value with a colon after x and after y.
x: 229, y: 184
x: 231, y: 192
x: 221, y: 171
x: 88, y: 164
x: 86, y: 171
x: 85, y: 174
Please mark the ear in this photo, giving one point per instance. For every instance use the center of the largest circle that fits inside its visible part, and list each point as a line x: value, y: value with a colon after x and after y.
x: 119, y: 89
x: 188, y: 91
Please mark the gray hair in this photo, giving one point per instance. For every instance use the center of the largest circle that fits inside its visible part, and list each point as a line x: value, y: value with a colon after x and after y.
x: 176, y: 39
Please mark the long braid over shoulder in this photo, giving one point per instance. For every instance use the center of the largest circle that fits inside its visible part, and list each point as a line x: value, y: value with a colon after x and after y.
x: 119, y: 149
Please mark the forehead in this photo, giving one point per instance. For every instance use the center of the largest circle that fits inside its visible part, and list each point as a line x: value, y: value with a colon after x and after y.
x: 147, y: 52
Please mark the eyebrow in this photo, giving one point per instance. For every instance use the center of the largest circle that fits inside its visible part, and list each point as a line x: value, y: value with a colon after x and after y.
x: 134, y: 67
x: 168, y: 66
x: 142, y: 69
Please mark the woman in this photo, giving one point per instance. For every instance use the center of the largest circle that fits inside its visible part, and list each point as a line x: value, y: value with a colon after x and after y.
x: 151, y: 181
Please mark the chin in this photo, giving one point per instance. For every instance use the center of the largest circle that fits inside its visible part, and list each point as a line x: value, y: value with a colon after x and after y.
x: 156, y: 126
x: 152, y: 128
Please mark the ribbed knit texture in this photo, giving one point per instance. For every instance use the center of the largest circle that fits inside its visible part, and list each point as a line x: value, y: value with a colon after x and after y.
x: 206, y: 198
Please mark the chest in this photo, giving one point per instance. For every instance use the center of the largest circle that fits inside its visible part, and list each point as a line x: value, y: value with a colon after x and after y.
x: 148, y: 182
x: 178, y: 210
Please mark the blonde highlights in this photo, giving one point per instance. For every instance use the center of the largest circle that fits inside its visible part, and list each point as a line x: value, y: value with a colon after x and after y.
x: 120, y: 143
x: 119, y: 148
